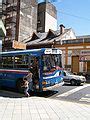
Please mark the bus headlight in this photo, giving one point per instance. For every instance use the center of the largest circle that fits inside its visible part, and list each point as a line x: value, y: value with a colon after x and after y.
x: 44, y: 83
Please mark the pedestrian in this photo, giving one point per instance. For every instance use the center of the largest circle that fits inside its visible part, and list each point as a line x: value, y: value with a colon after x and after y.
x: 26, y: 86
x: 35, y: 76
x: 29, y: 79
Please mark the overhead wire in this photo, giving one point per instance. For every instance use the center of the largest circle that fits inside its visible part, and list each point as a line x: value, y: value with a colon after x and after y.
x: 72, y: 15
x: 65, y: 13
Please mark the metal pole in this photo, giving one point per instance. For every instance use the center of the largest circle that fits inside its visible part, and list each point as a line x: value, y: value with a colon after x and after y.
x: 40, y: 74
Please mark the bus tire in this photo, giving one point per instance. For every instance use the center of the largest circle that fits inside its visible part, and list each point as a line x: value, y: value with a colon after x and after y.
x: 19, y: 84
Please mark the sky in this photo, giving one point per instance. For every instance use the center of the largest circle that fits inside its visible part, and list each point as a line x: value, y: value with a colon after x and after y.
x: 74, y: 14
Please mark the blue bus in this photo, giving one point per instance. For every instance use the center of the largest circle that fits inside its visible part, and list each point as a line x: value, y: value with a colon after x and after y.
x: 45, y: 63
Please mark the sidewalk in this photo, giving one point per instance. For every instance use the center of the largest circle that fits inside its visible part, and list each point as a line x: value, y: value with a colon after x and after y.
x: 40, y: 108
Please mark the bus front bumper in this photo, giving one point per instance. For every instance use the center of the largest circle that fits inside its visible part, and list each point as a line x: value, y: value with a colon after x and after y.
x: 53, y: 87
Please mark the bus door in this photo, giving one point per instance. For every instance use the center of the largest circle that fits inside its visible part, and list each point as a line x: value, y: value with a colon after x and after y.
x: 36, y: 71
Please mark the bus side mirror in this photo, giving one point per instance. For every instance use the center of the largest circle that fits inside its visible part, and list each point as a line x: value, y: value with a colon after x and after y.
x: 60, y: 73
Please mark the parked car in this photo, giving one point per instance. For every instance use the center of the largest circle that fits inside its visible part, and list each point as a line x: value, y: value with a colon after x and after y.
x: 73, y: 79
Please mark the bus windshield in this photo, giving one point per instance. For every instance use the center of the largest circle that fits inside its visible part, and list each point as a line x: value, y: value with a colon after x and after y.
x: 50, y: 61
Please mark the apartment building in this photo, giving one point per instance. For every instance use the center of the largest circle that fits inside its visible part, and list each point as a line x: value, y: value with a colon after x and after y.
x: 2, y: 28
x: 20, y: 20
x: 46, y: 17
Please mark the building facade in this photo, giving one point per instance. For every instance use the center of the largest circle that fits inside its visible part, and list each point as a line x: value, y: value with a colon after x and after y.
x: 2, y: 28
x: 20, y: 19
x: 23, y: 17
x: 76, y: 50
x: 47, y: 17
x: 76, y: 54
x: 50, y: 38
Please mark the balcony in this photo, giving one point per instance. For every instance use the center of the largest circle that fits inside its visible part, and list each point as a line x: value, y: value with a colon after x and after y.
x: 10, y: 20
x: 11, y: 8
x: 5, y: 2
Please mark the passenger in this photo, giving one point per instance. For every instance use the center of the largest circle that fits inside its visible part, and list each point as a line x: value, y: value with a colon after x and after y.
x: 35, y: 76
x: 49, y: 67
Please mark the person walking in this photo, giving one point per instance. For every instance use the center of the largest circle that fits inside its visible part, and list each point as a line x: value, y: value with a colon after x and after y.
x: 35, y: 76
x: 29, y: 79
x: 26, y: 86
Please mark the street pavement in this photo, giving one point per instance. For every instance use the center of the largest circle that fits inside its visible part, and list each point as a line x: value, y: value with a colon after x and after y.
x: 79, y: 94
x: 14, y: 106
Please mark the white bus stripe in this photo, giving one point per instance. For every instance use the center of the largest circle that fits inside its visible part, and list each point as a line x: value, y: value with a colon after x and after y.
x: 73, y: 91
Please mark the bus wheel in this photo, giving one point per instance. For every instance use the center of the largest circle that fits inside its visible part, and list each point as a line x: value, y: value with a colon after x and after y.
x: 19, y: 84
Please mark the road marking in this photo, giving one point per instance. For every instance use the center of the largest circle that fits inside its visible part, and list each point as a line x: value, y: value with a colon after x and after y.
x: 85, y: 99
x: 87, y: 95
x: 72, y: 91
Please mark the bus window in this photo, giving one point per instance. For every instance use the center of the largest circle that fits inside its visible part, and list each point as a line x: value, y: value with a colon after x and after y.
x: 1, y: 62
x: 7, y: 62
x: 51, y: 61
x: 21, y: 61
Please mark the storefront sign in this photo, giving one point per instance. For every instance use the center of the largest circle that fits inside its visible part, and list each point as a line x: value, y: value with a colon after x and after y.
x: 18, y: 45
x: 76, y: 52
x: 85, y: 52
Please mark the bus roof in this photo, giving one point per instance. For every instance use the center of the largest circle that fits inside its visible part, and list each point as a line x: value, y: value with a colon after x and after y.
x: 32, y: 52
